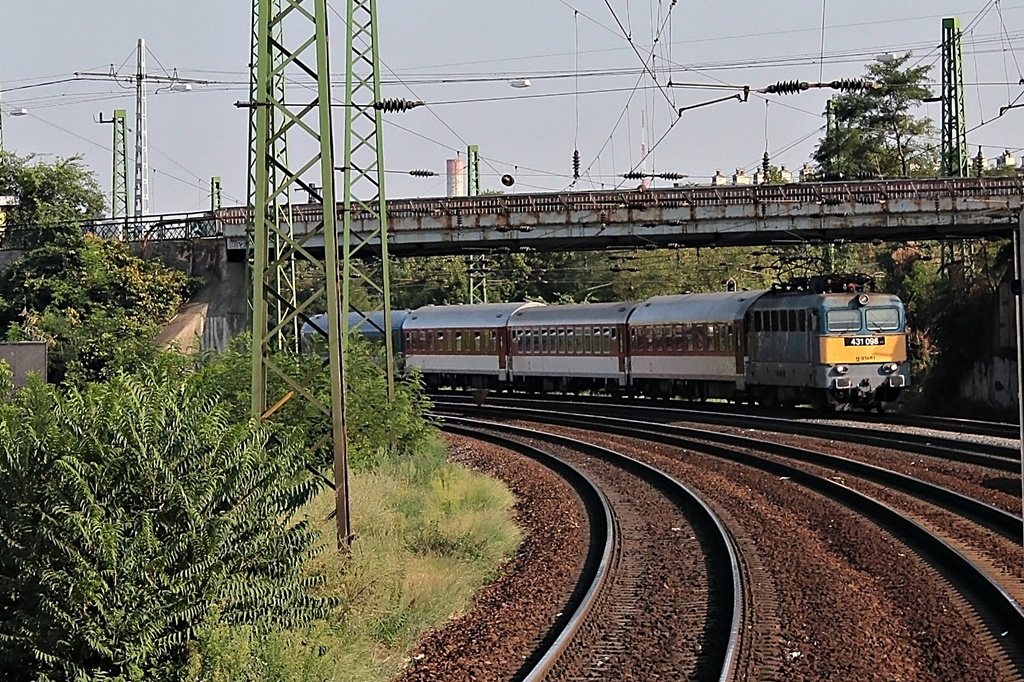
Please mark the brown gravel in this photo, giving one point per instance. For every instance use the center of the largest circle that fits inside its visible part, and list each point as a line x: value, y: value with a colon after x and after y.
x: 835, y: 598
x: 492, y: 641
x: 852, y: 603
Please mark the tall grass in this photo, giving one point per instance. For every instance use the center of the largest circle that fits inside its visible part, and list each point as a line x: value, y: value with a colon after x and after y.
x: 430, y: 535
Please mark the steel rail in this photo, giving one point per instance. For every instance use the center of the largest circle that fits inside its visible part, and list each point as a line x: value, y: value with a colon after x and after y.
x: 601, y: 552
x: 998, y: 457
x: 993, y: 518
x: 718, y: 547
x: 999, y: 611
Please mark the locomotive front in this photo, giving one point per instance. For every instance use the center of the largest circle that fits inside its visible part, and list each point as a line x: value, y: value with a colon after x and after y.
x: 861, y: 349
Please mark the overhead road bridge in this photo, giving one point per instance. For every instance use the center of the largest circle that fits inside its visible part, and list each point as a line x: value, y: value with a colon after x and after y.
x: 756, y: 215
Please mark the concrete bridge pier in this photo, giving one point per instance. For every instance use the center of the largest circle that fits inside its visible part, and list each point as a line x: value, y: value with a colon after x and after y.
x: 218, y: 312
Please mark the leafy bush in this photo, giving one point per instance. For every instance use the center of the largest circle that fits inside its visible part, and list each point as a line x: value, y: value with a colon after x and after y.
x: 136, y: 511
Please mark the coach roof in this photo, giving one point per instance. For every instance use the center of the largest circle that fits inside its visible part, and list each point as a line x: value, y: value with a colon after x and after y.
x: 475, y: 316
x: 686, y: 308
x: 578, y: 314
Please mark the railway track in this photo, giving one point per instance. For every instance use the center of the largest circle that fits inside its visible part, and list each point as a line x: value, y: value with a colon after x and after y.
x: 996, y: 456
x: 606, y: 629
x: 996, y: 610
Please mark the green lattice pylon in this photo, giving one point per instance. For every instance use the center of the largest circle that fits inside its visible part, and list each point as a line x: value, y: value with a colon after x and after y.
x: 285, y: 277
x: 119, y: 187
x: 955, y: 162
x: 366, y: 275
x: 304, y: 59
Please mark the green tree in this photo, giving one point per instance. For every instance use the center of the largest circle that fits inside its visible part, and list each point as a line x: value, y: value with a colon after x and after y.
x: 136, y: 512
x: 97, y: 306
x: 53, y: 200
x: 876, y: 132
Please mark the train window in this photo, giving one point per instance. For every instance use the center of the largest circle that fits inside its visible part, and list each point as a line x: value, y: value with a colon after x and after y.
x: 699, y: 332
x: 689, y: 338
x: 792, y: 320
x: 588, y: 340
x: 801, y: 320
x: 784, y: 321
x: 561, y: 340
x: 440, y: 341
x: 731, y: 338
x: 843, y: 320
x: 578, y: 335
x: 649, y: 334
x: 493, y: 345
x: 543, y: 340
x: 882, y: 319
x: 458, y: 342
x: 678, y: 340
x: 773, y: 321
x: 606, y: 341
x: 659, y: 344
x: 478, y: 344
x: 812, y: 323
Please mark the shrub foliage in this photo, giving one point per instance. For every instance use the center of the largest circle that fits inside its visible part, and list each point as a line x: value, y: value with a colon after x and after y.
x: 134, y: 512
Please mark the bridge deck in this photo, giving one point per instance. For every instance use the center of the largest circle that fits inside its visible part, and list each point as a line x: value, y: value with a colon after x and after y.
x: 893, y: 210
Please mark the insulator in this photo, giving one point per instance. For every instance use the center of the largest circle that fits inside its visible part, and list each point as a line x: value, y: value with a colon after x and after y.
x: 397, y: 106
x: 419, y: 173
x: 766, y: 166
x: 576, y: 164
x: 852, y: 84
x: 633, y: 175
x: 671, y: 176
x: 787, y: 87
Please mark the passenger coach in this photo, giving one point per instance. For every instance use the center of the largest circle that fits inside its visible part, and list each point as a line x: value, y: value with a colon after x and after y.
x: 461, y: 346
x: 570, y: 347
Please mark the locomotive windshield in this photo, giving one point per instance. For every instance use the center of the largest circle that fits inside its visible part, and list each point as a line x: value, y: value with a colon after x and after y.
x: 842, y: 320
x: 883, y: 319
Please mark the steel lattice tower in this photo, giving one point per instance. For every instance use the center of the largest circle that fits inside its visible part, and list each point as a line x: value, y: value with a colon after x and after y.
x: 306, y: 58
x: 476, y: 266
x: 119, y: 186
x: 141, y: 137
x: 955, y: 162
x: 285, y: 277
x: 365, y: 256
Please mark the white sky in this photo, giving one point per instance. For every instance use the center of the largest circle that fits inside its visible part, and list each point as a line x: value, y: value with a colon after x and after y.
x: 197, y: 135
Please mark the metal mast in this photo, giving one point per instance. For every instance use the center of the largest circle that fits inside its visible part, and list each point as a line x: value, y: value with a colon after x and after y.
x: 216, y: 193
x: 285, y: 276
x: 306, y: 58
x: 119, y: 198
x: 476, y: 266
x: 955, y: 162
x: 365, y: 256
x: 141, y: 136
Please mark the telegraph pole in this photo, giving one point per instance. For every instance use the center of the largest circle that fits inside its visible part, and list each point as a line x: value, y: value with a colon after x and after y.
x: 476, y: 266
x: 141, y: 77
x: 955, y: 162
x: 119, y: 165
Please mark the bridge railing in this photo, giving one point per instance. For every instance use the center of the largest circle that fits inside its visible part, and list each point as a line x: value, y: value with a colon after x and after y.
x: 157, y: 227
x: 825, y: 193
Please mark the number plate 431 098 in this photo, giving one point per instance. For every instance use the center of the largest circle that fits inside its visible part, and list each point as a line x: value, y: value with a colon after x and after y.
x: 864, y: 341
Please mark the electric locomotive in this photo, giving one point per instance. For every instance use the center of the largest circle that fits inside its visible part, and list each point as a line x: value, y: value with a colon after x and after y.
x: 829, y: 341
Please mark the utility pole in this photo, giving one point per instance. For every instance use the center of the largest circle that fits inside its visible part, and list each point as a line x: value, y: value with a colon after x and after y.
x: 216, y: 194
x: 141, y: 77
x: 119, y: 166
x: 141, y: 136
x: 285, y: 285
x: 476, y: 266
x: 955, y: 162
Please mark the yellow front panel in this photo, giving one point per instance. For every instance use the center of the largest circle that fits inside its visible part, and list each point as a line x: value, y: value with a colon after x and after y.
x: 835, y: 351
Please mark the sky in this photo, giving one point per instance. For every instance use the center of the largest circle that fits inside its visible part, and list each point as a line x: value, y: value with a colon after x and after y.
x: 593, y: 87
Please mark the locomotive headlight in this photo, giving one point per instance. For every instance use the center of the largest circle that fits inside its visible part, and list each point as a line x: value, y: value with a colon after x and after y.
x: 890, y: 367
x: 842, y: 369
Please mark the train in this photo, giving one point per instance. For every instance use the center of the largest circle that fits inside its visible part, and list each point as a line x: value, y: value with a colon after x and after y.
x: 827, y: 341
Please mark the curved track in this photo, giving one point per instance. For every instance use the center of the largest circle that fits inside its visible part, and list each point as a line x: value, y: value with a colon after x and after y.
x: 609, y: 629
x: 1001, y: 615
